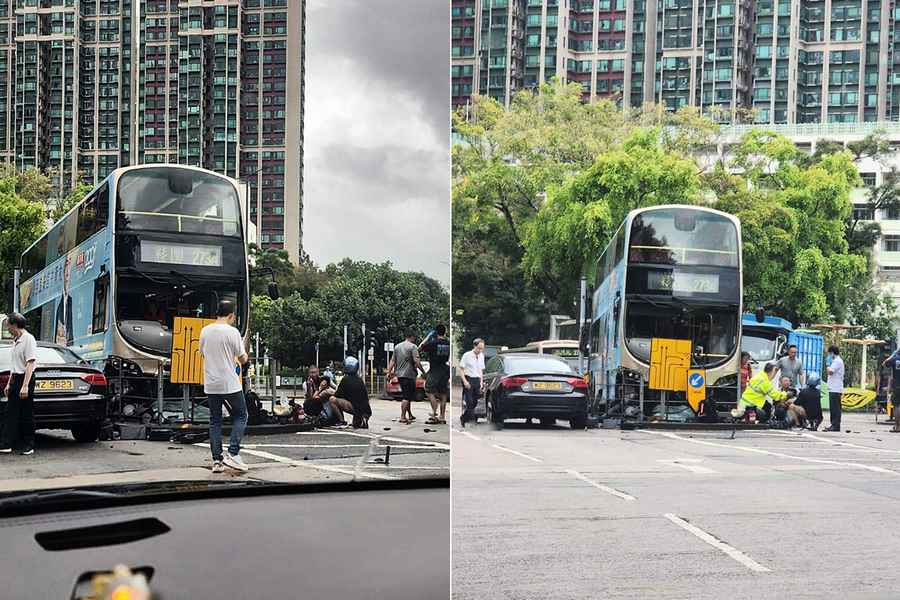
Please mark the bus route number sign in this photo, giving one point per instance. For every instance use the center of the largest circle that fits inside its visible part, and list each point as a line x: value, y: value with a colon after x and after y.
x: 687, y: 283
x: 181, y: 254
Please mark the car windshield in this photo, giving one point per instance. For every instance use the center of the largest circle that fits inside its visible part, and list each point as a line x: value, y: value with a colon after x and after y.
x: 520, y: 365
x: 45, y: 356
x: 761, y: 348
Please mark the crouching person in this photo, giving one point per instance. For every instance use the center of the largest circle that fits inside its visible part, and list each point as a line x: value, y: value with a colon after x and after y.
x: 760, y: 394
x: 810, y: 398
x: 352, y: 396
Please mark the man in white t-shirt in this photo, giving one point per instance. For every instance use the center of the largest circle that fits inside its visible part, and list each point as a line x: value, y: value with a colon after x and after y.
x: 222, y: 349
x: 471, y: 370
x: 18, y: 432
x: 835, y: 387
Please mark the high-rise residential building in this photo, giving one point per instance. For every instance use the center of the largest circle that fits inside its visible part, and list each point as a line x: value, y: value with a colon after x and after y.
x: 790, y: 61
x: 87, y: 86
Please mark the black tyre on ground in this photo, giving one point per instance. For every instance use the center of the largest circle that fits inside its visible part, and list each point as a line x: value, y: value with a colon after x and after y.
x: 87, y: 433
x: 579, y: 422
x: 548, y: 421
x: 492, y: 415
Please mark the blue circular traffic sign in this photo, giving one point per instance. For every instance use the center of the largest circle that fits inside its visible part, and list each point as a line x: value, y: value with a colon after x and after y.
x: 695, y: 380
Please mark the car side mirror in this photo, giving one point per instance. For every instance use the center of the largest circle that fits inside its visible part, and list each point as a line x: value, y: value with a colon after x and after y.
x: 273, y: 290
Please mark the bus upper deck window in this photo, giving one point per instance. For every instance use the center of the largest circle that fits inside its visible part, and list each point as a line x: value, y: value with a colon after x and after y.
x: 685, y: 221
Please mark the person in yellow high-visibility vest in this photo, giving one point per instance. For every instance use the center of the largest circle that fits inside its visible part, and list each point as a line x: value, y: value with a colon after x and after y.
x: 760, y: 393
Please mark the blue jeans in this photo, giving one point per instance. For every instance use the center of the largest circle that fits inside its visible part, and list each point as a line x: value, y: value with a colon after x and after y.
x: 237, y: 407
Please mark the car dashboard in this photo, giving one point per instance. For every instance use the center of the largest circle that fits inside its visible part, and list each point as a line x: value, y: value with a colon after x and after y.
x: 342, y: 544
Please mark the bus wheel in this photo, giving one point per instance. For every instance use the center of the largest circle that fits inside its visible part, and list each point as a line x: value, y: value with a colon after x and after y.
x: 86, y: 433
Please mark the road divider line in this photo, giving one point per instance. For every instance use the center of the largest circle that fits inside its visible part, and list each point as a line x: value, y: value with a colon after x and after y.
x: 369, y: 436
x: 467, y: 434
x: 820, y: 461
x: 718, y: 544
x: 304, y: 446
x: 305, y: 463
x: 517, y: 453
x: 684, y: 463
x: 847, y: 444
x: 600, y: 486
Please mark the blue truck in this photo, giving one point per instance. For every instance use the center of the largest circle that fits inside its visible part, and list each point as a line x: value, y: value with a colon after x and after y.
x: 768, y: 340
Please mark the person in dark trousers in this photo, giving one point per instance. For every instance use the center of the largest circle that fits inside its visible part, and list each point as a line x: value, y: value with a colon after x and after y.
x: 18, y: 428
x: 352, y: 396
x: 893, y: 361
x: 222, y: 349
x: 437, y: 385
x: 407, y: 366
x: 835, y: 387
x: 471, y: 372
x: 810, y: 398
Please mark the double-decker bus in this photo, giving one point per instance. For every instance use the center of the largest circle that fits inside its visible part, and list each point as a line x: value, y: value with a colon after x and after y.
x: 671, y: 272
x: 148, y: 244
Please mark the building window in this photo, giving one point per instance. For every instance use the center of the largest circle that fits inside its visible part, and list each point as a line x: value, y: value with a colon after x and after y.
x: 863, y: 213
x: 891, y: 243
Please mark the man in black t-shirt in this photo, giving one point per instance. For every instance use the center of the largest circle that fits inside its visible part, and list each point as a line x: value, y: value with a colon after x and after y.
x: 437, y: 384
x: 352, y: 396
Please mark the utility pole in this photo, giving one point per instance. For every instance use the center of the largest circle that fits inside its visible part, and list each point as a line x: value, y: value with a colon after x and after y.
x: 362, y: 356
x: 582, y: 309
x: 345, y: 341
x: 317, y: 354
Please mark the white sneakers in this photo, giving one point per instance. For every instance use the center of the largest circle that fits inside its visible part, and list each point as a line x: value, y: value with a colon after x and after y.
x: 218, y: 467
x: 235, y: 462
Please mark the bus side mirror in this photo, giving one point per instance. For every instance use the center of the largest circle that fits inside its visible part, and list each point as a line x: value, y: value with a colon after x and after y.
x: 273, y: 290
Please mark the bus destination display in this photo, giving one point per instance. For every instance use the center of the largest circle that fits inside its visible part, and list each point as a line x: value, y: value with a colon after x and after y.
x: 181, y: 254
x: 681, y: 282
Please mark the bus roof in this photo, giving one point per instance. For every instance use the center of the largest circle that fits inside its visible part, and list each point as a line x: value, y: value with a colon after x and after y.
x: 771, y: 322
x: 115, y: 173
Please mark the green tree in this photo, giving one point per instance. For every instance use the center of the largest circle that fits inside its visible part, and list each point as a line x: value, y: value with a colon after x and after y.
x: 60, y: 205
x: 291, y: 327
x: 21, y: 222
x: 797, y: 260
x: 573, y: 227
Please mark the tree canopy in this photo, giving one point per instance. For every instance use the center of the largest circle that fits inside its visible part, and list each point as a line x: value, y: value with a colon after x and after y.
x: 538, y: 191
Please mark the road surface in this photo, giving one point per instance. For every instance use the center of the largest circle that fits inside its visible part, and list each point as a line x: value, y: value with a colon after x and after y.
x: 326, y: 454
x: 555, y: 513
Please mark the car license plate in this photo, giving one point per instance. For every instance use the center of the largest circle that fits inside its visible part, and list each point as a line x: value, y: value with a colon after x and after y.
x: 547, y: 386
x: 55, y: 384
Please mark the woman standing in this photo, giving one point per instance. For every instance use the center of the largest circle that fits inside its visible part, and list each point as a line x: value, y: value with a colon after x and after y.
x: 18, y: 430
x: 745, y: 370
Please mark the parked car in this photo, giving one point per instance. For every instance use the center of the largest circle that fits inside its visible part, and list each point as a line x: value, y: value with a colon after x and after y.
x: 393, y: 386
x: 69, y: 393
x: 526, y: 386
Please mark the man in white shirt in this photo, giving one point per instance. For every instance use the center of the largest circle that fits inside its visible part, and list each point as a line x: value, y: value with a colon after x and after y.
x: 18, y: 430
x: 835, y: 387
x: 222, y: 349
x: 471, y: 369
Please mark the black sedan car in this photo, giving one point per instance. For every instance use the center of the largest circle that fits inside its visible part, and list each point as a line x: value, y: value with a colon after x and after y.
x: 526, y: 386
x: 68, y: 392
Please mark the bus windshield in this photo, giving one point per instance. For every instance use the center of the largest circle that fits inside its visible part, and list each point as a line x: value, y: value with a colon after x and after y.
x: 177, y: 200
x: 712, y: 330
x: 683, y: 236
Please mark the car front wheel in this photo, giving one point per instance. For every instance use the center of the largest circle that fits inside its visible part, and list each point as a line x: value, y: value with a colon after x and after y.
x: 579, y: 422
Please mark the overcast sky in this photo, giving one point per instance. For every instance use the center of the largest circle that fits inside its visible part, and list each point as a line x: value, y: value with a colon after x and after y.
x: 377, y: 166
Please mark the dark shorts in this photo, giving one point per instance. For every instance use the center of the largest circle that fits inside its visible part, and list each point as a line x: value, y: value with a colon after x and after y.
x: 438, y: 381
x: 408, y: 388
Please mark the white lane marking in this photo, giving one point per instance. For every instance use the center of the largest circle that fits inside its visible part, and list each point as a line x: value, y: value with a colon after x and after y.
x: 305, y: 463
x: 600, y: 486
x: 369, y: 436
x: 834, y: 442
x: 718, y: 544
x: 820, y: 461
x: 398, y: 446
x: 684, y: 463
x: 467, y: 434
x: 395, y: 467
x: 516, y: 452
